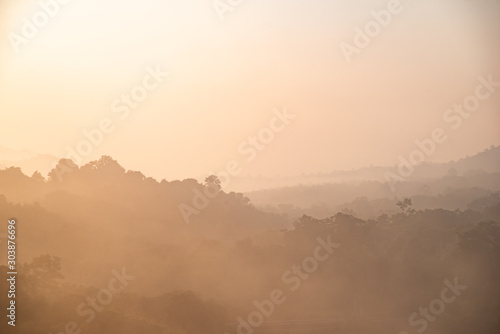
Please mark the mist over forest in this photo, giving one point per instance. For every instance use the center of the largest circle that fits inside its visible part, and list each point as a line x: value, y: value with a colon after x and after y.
x: 249, y: 167
x: 313, y: 259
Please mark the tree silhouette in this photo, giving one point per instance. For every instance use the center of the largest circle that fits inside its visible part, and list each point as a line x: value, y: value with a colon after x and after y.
x: 213, y: 182
x: 406, y: 206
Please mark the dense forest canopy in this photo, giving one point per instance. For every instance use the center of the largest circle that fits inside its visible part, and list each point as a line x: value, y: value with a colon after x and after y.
x: 101, y: 228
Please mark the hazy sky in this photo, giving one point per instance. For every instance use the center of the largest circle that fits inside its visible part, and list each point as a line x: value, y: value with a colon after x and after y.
x: 227, y: 76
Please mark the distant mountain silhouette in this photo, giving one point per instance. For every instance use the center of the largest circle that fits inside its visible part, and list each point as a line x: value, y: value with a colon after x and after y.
x: 28, y: 161
x: 486, y: 161
x: 9, y: 154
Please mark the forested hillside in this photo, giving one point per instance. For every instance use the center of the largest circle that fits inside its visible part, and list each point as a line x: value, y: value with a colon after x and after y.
x: 102, y: 228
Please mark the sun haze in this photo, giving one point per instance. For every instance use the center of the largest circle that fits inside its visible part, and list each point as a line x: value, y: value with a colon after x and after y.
x: 229, y: 69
